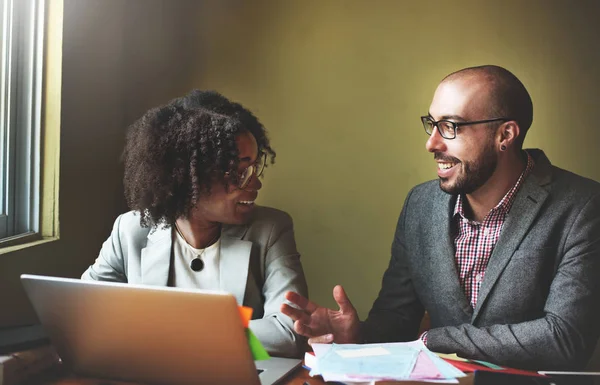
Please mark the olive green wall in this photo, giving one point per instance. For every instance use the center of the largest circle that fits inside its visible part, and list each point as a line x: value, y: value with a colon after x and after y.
x: 340, y: 85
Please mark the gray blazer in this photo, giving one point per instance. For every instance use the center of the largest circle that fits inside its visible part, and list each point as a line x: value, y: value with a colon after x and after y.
x: 538, y: 306
x: 259, y: 262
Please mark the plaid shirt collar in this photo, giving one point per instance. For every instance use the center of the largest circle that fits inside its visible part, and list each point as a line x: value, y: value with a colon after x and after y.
x: 506, y: 202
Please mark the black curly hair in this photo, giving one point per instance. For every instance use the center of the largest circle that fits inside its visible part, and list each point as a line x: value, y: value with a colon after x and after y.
x: 174, y: 152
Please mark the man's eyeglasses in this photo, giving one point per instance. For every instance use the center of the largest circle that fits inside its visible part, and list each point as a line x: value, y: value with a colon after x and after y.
x: 447, y: 128
x: 255, y: 168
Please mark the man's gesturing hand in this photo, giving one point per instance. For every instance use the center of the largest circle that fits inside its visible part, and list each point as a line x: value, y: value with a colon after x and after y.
x: 322, y: 325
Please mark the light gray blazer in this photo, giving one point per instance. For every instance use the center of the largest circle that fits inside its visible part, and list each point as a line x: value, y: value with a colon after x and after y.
x: 539, y: 302
x: 259, y: 263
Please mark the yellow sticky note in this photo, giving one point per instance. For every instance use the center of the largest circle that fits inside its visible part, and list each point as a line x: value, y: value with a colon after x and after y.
x: 452, y: 356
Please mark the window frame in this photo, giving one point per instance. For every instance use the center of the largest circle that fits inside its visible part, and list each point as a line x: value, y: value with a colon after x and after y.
x: 21, y: 86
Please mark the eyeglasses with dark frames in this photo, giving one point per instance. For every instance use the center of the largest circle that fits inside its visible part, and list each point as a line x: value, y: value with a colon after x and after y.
x: 448, y: 128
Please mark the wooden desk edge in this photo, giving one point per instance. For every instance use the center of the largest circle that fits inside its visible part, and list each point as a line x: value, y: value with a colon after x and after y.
x: 57, y: 376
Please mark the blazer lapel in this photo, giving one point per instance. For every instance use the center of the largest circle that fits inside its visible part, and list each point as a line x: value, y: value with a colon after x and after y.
x: 527, y: 204
x: 443, y: 262
x: 234, y: 263
x: 156, y: 258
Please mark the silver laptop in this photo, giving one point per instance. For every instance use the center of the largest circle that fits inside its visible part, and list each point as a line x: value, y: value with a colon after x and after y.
x: 148, y: 334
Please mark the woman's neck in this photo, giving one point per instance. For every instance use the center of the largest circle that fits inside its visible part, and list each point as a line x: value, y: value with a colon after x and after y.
x: 199, y: 235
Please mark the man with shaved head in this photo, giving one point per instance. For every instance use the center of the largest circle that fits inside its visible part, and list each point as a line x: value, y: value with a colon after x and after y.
x: 502, y: 251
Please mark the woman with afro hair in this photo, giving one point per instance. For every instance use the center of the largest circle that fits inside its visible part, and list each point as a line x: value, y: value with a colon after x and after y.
x: 192, y: 172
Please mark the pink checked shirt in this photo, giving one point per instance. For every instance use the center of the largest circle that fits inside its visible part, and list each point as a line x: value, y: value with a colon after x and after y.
x: 475, y: 241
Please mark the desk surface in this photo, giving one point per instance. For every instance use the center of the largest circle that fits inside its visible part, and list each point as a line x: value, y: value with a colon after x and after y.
x: 299, y: 377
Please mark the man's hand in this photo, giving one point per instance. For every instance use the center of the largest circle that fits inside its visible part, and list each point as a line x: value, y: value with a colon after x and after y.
x: 322, y: 325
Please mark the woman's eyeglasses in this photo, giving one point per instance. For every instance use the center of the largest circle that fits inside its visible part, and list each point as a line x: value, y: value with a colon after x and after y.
x: 255, y: 168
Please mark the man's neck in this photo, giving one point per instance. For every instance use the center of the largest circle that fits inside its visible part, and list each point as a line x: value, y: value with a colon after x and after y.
x: 480, y: 202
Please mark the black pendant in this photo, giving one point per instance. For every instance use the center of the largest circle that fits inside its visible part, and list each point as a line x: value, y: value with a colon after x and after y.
x: 197, y: 264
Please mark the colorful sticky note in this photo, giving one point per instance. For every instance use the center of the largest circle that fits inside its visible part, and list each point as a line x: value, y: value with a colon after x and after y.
x: 452, y: 356
x: 246, y: 314
x: 489, y: 365
x: 471, y: 366
x: 258, y: 351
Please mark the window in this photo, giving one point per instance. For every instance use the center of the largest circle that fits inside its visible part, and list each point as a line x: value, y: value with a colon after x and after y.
x: 21, y: 62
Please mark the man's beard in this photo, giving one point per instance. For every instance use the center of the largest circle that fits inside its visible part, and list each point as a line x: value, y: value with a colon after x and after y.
x: 474, y: 174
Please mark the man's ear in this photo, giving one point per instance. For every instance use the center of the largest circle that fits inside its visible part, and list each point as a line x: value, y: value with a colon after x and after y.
x: 508, y: 134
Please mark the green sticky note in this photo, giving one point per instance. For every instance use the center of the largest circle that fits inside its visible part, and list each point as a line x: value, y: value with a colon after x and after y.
x: 489, y: 365
x: 258, y: 351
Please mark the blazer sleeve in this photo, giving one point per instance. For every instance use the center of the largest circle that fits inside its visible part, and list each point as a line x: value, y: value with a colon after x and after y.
x: 564, y: 339
x: 109, y: 266
x: 397, y: 312
x: 283, y: 272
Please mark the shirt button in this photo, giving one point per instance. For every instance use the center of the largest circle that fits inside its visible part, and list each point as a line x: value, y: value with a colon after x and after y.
x: 478, y: 278
x: 486, y: 232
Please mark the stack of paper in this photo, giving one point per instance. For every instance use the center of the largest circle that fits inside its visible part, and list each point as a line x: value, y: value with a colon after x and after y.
x: 381, y: 362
